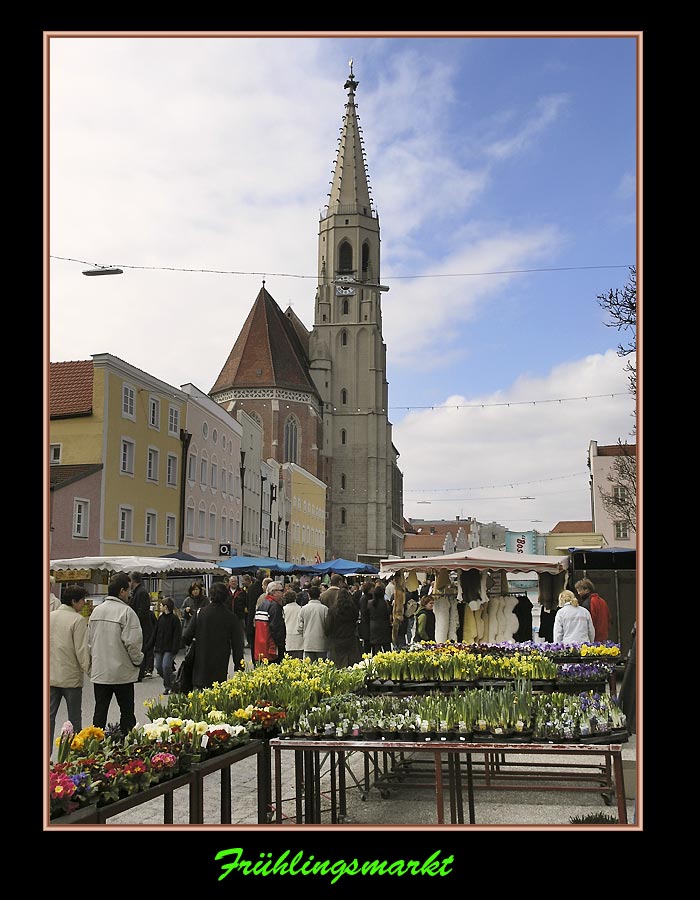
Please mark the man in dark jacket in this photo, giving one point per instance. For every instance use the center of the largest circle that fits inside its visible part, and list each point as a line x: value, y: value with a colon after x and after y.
x: 218, y: 636
x: 140, y: 602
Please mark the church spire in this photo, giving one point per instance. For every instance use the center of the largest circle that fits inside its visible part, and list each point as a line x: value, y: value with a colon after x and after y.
x: 350, y: 191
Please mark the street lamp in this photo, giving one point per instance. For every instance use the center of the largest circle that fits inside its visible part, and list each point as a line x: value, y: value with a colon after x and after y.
x: 263, y: 479
x: 242, y: 495
x: 103, y: 270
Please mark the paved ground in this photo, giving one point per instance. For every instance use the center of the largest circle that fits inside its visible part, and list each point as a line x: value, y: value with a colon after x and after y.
x: 394, y: 806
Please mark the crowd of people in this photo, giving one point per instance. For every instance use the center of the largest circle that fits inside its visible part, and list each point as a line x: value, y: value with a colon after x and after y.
x: 123, y: 640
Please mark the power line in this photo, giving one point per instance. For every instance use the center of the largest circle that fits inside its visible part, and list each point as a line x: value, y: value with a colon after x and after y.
x: 315, y: 277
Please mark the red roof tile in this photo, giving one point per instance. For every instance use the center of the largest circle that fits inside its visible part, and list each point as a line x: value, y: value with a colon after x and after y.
x: 572, y: 528
x: 617, y: 450
x: 70, y: 389
x: 60, y: 476
x: 423, y: 541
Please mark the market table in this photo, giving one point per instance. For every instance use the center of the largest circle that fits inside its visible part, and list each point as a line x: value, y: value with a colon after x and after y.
x: 223, y: 763
x: 606, y: 778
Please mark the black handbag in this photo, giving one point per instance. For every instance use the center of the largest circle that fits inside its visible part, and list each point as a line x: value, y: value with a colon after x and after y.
x: 182, y: 682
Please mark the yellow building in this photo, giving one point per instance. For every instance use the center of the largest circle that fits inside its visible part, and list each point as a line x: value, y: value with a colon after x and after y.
x: 306, y: 496
x: 106, y: 411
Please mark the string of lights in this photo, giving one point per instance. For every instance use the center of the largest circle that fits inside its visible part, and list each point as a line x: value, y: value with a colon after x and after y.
x: 490, y: 487
x: 516, y: 402
x: 84, y: 262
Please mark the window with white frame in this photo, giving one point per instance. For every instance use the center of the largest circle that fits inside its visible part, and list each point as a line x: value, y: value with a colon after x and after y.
x: 203, y: 469
x: 81, y: 518
x: 189, y: 520
x: 126, y: 523
x: 192, y: 466
x: 151, y: 532
x: 152, y: 464
x: 622, y: 531
x: 127, y: 456
x: 620, y: 494
x: 128, y: 395
x: 174, y: 420
x: 172, y: 469
x: 170, y: 531
x: 154, y: 412
x: 212, y: 525
x: 214, y: 475
x: 55, y: 455
x: 201, y: 522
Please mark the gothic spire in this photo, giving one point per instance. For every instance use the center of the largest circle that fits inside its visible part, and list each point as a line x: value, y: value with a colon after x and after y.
x: 350, y: 191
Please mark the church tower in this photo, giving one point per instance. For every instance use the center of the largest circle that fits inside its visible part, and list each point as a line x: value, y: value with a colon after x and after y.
x: 321, y: 397
x: 348, y: 361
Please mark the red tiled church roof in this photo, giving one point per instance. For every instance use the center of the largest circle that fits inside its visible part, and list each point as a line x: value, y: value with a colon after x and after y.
x: 70, y: 389
x: 268, y: 352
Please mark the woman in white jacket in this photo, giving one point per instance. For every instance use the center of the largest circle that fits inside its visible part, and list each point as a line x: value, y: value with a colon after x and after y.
x: 573, y: 624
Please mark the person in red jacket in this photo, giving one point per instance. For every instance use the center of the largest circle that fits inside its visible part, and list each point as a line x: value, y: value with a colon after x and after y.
x: 596, y: 606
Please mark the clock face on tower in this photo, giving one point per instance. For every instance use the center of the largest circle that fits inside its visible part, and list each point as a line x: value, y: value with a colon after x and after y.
x: 343, y: 291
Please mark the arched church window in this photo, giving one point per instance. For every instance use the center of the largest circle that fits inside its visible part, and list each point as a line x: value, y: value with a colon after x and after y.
x: 291, y: 440
x: 342, y: 482
x: 343, y: 436
x: 365, y: 257
x: 343, y: 338
x: 343, y: 517
x: 346, y: 307
x: 344, y: 397
x: 345, y: 257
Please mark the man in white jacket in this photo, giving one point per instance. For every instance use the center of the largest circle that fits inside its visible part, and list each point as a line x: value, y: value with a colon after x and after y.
x: 311, y: 625
x: 69, y: 657
x: 115, y: 639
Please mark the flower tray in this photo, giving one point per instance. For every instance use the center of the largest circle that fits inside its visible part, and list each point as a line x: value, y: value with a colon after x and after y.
x: 578, y: 687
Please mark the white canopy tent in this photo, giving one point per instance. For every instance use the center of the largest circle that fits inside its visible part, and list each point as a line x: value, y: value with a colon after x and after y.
x: 147, y: 565
x: 481, y: 558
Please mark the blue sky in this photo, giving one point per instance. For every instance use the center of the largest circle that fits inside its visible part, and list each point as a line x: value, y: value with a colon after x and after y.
x: 485, y: 155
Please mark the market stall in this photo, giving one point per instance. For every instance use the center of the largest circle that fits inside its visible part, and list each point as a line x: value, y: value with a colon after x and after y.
x: 473, y: 600
x: 161, y: 573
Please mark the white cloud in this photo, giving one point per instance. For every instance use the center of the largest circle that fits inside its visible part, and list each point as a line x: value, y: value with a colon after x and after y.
x: 478, y: 462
